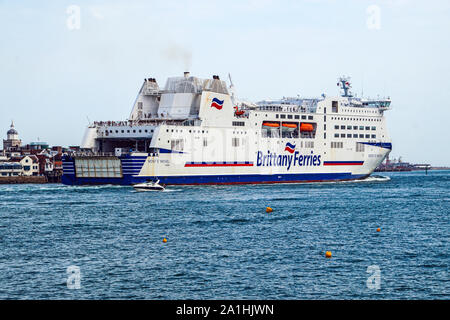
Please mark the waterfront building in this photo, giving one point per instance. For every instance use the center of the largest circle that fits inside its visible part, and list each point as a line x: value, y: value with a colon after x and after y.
x: 10, y: 169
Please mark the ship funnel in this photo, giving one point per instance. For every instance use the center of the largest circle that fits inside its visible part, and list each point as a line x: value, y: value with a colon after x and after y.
x: 186, y: 74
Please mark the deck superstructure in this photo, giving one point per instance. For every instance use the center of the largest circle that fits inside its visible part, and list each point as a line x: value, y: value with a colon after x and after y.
x: 195, y: 131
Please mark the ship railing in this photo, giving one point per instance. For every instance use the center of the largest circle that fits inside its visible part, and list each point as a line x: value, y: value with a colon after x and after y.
x: 290, y: 108
x: 95, y: 154
x: 151, y: 122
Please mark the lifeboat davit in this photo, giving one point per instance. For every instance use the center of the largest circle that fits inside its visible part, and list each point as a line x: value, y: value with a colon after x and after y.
x: 271, y: 124
x: 306, y: 127
x: 289, y: 126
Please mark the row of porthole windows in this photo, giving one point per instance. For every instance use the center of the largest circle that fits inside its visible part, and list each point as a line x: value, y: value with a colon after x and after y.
x: 289, y: 116
x: 355, y: 135
x: 128, y: 131
x: 190, y: 131
x: 359, y: 111
x: 355, y: 119
x: 355, y: 127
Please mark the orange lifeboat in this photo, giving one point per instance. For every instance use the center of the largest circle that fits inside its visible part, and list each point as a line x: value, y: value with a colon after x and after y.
x: 290, y: 125
x: 271, y: 124
x: 306, y: 127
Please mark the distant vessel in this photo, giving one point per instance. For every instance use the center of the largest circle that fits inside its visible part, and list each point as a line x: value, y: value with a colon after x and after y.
x: 149, y: 186
x: 195, y: 131
x: 399, y: 165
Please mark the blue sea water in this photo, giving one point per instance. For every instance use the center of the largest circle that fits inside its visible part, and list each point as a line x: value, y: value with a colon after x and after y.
x: 223, y: 245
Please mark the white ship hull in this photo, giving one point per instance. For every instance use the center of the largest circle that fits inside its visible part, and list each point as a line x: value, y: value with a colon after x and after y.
x: 206, y: 137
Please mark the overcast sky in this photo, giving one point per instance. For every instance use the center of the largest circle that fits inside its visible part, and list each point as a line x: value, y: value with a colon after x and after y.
x: 54, y: 75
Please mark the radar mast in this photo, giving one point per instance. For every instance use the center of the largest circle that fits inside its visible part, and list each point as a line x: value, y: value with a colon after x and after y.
x: 345, y: 85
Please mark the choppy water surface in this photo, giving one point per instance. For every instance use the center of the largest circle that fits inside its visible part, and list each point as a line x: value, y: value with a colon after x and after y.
x: 222, y: 243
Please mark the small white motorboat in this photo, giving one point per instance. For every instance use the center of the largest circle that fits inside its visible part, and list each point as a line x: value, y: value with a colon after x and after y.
x: 149, y: 186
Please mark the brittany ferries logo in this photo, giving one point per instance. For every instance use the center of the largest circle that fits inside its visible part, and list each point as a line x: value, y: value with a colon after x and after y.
x: 289, y: 148
x: 293, y: 158
x: 216, y: 103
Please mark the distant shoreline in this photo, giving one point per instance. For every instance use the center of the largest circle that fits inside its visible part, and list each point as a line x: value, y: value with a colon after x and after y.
x: 24, y: 179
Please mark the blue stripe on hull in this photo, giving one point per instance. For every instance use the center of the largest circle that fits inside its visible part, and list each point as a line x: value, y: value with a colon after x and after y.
x: 217, y: 179
x: 386, y: 145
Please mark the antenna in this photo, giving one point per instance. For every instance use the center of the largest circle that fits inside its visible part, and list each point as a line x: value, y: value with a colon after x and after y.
x: 231, y: 81
x: 362, y: 87
x: 89, y: 121
x: 231, y: 88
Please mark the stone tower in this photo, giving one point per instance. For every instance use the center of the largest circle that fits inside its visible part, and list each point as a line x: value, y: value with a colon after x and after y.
x: 12, y: 139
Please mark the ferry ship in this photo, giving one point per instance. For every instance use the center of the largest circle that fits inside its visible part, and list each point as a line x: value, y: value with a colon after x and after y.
x: 195, y: 131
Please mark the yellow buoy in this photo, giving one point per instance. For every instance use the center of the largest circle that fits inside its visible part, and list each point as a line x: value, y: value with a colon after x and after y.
x: 269, y: 210
x: 328, y: 254
x: 164, y: 240
x: 379, y: 229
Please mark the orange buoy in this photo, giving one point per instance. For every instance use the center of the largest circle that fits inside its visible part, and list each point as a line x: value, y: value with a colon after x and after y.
x: 269, y: 210
x: 379, y: 229
x: 328, y: 254
x: 164, y: 240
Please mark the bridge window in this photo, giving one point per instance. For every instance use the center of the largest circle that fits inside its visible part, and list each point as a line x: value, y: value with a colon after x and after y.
x: 334, y: 106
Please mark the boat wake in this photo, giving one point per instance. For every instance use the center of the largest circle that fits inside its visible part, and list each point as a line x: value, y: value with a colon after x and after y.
x: 374, y: 178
